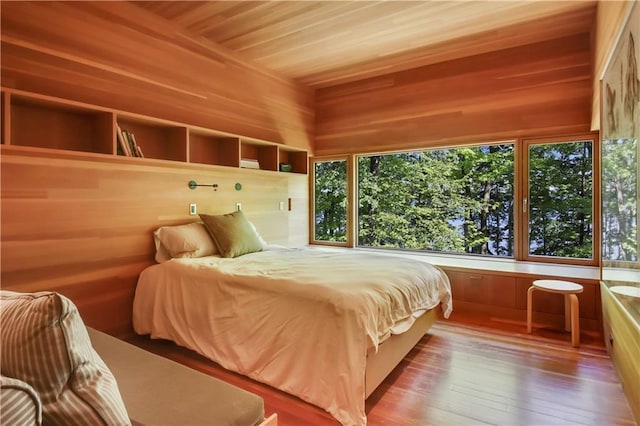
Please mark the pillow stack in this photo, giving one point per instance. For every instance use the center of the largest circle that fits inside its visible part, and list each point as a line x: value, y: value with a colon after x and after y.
x: 227, y: 235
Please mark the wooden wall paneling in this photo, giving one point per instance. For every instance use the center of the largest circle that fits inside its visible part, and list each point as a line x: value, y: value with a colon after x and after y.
x: 542, y: 88
x: 84, y: 227
x: 123, y: 57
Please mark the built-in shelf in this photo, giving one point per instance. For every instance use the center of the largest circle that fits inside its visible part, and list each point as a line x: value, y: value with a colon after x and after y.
x: 50, y: 124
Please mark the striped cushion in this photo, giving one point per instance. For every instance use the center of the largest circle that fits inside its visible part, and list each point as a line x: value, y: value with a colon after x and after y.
x: 45, y: 343
x: 19, y: 403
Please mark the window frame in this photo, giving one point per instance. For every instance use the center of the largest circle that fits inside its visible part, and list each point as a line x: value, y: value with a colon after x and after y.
x: 522, y: 234
x: 349, y: 201
x: 520, y: 192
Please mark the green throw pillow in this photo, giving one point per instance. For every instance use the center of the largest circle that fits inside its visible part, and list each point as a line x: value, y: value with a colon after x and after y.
x: 232, y: 233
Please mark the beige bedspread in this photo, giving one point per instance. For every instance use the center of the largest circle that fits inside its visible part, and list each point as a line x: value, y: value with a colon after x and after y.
x: 301, y: 320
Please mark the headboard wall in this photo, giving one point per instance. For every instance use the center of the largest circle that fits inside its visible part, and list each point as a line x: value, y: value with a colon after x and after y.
x: 84, y: 228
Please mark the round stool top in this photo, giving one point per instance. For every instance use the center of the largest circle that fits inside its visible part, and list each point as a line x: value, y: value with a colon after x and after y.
x: 558, y: 286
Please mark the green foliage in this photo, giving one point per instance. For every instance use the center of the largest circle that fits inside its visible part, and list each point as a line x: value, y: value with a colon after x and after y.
x: 453, y: 200
x: 560, y: 199
x: 331, y: 201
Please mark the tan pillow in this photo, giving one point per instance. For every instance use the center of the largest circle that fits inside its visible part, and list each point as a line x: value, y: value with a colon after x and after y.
x: 232, y: 234
x: 188, y: 240
x: 45, y: 344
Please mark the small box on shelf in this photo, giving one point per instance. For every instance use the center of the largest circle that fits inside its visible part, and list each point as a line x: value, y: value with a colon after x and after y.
x: 285, y: 167
x: 248, y: 163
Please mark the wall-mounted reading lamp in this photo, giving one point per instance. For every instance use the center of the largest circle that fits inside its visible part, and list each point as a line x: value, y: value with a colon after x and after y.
x: 193, y: 184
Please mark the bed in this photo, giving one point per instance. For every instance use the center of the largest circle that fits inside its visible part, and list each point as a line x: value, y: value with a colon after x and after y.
x: 325, y: 326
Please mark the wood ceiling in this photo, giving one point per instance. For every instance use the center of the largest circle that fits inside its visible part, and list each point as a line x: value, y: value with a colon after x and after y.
x: 324, y: 43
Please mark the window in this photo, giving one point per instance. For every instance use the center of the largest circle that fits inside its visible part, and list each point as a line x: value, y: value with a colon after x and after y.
x: 559, y: 193
x: 330, y: 210
x: 558, y: 200
x: 457, y: 200
x: 533, y: 199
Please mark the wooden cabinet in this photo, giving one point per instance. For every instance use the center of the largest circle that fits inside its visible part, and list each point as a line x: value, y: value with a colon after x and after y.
x: 45, y: 124
x: 483, y: 288
x: 504, y: 295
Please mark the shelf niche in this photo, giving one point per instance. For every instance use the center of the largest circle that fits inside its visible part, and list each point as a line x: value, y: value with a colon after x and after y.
x: 157, y: 140
x: 266, y: 155
x: 205, y: 148
x: 41, y: 124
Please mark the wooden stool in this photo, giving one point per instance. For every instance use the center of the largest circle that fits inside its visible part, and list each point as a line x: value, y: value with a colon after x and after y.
x: 569, y: 289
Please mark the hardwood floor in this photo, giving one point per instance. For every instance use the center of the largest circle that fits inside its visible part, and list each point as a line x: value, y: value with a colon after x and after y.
x: 465, y: 375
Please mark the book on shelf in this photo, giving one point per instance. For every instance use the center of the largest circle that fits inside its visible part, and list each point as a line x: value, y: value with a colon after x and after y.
x: 135, y: 148
x: 127, y: 143
x: 123, y: 142
x: 249, y: 163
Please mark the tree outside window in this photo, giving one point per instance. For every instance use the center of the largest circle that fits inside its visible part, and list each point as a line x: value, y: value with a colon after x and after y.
x: 330, y: 201
x: 457, y: 200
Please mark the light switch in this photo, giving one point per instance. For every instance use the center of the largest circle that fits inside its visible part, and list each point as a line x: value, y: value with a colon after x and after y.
x: 238, y: 207
x: 281, y: 205
x: 192, y: 209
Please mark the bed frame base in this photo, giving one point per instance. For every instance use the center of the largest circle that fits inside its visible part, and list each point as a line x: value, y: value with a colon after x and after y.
x: 393, y: 350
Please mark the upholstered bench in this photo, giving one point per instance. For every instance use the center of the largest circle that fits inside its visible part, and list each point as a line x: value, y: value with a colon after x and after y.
x: 157, y: 390
x: 55, y: 370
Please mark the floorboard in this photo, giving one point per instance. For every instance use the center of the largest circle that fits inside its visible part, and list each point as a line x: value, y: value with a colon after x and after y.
x: 460, y: 374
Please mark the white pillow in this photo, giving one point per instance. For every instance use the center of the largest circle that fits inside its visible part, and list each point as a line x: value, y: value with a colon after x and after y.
x: 189, y: 240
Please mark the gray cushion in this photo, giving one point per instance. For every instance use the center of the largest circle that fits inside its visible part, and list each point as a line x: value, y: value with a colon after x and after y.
x: 173, y: 393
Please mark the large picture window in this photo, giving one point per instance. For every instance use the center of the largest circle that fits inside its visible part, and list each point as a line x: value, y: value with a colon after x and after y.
x: 531, y: 199
x: 457, y: 200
